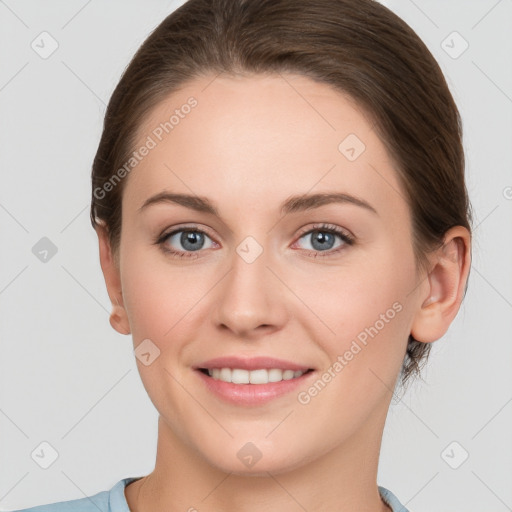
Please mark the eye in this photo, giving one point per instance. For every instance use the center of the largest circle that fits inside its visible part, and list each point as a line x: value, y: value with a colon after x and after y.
x: 322, y: 239
x: 183, y: 242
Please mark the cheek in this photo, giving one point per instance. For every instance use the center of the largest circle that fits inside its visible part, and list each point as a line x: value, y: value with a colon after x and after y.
x: 159, y: 297
x: 354, y: 296
x: 365, y: 320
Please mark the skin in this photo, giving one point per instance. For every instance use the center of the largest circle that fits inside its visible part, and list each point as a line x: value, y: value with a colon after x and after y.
x: 250, y: 144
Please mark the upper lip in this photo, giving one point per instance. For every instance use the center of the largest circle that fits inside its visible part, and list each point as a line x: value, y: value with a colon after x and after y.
x: 251, y: 363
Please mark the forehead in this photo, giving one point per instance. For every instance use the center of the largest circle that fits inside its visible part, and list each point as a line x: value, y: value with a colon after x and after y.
x: 261, y: 137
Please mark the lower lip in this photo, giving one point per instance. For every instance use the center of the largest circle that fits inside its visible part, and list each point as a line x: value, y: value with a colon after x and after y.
x: 252, y: 394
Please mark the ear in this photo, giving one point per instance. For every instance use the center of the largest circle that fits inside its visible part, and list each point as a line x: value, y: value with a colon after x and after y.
x: 110, y: 268
x: 445, y: 286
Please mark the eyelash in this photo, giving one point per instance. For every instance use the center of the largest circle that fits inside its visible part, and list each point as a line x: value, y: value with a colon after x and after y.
x: 323, y: 228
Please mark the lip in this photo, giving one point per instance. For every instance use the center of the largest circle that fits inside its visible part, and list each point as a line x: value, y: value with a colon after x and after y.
x: 251, y: 363
x: 251, y: 394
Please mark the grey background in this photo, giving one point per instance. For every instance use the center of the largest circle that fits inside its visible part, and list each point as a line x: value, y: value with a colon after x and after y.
x: 68, y: 379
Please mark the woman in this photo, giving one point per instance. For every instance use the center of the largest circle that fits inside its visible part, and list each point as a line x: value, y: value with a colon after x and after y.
x: 284, y: 228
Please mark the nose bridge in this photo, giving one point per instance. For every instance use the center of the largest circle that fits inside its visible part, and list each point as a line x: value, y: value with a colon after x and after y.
x: 247, y: 299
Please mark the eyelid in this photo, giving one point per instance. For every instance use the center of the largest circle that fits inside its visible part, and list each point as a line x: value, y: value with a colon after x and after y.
x: 323, y: 226
x: 185, y: 227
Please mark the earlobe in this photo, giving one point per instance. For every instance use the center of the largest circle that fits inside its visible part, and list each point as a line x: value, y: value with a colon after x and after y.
x: 444, y: 288
x: 110, y: 268
x: 119, y: 319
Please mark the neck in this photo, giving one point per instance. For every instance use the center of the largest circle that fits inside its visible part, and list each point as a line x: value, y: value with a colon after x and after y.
x: 344, y: 479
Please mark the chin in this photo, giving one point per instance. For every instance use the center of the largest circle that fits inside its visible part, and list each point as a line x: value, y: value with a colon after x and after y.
x: 250, y: 461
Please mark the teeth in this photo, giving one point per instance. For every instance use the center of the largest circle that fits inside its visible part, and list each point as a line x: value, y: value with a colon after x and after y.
x: 263, y: 376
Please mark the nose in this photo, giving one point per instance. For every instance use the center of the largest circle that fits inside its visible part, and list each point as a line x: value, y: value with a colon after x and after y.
x: 249, y: 299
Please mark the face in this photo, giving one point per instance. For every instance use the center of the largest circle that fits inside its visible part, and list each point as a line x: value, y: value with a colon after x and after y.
x: 250, y: 266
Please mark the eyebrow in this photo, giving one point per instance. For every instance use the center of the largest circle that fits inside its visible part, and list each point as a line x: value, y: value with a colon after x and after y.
x: 291, y: 205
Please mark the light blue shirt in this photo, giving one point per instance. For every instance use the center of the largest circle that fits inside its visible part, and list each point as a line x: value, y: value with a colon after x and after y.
x: 115, y: 501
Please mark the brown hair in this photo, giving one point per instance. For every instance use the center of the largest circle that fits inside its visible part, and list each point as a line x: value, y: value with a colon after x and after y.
x: 357, y: 46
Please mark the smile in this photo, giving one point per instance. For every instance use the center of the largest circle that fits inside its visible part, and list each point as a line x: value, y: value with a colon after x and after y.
x: 251, y: 388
